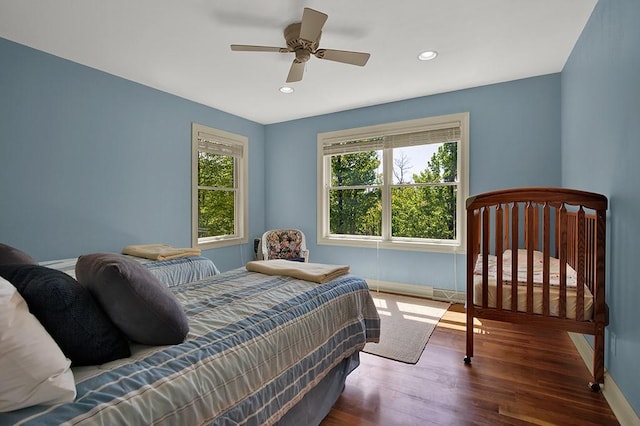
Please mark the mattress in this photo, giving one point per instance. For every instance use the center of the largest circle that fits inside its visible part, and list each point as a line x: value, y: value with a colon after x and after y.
x: 257, y: 345
x: 554, y: 289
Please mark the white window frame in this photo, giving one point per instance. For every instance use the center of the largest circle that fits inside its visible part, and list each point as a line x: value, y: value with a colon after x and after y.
x: 384, y: 241
x: 239, y: 145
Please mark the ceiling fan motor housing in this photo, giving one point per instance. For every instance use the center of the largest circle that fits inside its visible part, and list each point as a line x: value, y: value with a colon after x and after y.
x: 301, y: 47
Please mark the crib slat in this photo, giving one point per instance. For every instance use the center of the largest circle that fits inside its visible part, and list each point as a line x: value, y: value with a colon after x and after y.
x: 581, y: 267
x: 536, y: 227
x: 590, y: 241
x: 556, y: 235
x: 507, y: 228
x: 546, y: 251
x: 572, y: 223
x: 514, y: 256
x: 530, y: 229
x: 499, y: 252
x: 486, y: 237
x: 562, y: 303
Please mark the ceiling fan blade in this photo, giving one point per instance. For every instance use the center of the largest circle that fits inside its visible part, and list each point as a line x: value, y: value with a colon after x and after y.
x: 344, y: 56
x: 312, y: 23
x: 296, y: 71
x: 248, y: 48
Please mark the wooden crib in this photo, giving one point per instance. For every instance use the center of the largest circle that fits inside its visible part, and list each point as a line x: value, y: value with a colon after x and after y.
x: 554, y: 238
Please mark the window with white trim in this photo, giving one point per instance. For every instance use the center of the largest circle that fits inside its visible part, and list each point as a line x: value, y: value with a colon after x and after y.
x: 219, y: 187
x: 399, y: 185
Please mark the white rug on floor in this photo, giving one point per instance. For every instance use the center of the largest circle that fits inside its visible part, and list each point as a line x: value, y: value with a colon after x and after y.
x: 406, y: 323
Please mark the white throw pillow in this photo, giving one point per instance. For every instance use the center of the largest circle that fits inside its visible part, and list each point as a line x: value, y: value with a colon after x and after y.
x: 33, y: 369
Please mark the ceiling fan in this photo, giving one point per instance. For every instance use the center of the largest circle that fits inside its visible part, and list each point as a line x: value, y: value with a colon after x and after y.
x: 303, y: 39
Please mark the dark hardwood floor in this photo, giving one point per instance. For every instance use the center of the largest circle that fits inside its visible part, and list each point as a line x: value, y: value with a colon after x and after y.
x: 517, y: 377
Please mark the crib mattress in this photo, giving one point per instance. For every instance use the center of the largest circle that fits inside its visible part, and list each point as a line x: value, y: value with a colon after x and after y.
x: 554, y: 298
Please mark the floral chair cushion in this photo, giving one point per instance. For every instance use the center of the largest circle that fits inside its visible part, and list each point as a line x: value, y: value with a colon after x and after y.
x: 285, y: 244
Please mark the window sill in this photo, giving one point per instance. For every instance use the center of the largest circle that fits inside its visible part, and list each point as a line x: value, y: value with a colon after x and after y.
x: 437, y: 247
x: 212, y: 244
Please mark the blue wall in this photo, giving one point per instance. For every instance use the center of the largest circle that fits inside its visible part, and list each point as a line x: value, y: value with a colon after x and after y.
x: 89, y: 161
x: 92, y: 162
x: 600, y: 146
x: 514, y: 141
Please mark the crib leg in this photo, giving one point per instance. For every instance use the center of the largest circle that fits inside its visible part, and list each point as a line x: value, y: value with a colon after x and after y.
x: 598, y: 358
x: 469, y: 352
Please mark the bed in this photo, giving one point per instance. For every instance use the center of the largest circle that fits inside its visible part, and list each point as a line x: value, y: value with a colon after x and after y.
x: 551, y: 243
x: 170, y: 272
x: 261, y: 349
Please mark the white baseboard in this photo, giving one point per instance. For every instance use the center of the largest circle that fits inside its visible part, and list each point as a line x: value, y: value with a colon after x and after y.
x: 416, y: 290
x: 619, y: 405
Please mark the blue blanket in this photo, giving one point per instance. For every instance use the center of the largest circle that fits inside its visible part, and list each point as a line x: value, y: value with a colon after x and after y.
x: 170, y: 272
x: 257, y: 345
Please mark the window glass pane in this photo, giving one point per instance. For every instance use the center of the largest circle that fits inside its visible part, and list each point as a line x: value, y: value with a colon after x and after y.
x: 355, y: 211
x: 411, y: 160
x: 215, y: 213
x: 361, y: 168
x: 434, y: 163
x: 215, y: 170
x: 424, y: 212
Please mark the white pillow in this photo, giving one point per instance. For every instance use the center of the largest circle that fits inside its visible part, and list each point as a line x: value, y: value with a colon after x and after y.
x: 33, y: 369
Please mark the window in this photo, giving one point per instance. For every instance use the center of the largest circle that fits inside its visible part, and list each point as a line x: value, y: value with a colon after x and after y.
x: 218, y: 187
x: 399, y: 185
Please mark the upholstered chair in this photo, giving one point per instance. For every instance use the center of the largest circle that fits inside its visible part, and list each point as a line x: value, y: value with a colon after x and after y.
x: 286, y: 243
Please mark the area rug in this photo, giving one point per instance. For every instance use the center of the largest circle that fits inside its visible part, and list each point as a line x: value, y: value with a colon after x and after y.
x: 406, y: 323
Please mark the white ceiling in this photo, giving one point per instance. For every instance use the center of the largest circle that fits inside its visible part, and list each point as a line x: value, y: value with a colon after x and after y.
x: 182, y: 46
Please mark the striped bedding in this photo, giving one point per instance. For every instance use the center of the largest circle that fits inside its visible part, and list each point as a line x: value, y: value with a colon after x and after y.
x: 171, y: 272
x: 257, y: 344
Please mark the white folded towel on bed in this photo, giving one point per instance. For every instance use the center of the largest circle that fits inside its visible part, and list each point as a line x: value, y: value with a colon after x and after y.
x: 159, y: 251
x: 315, y: 272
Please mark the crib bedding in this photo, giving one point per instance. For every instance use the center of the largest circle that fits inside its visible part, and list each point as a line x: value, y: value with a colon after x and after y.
x: 257, y: 345
x: 554, y: 280
x: 554, y: 298
x: 171, y: 272
x: 522, y: 268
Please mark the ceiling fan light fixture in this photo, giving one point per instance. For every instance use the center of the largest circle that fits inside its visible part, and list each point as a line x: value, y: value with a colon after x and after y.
x: 286, y: 90
x: 427, y: 55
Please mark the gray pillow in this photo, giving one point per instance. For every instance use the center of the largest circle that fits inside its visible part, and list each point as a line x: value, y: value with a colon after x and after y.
x: 12, y: 256
x: 69, y: 314
x: 140, y: 305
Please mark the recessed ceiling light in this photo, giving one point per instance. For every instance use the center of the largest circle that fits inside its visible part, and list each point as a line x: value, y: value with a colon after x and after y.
x: 286, y: 89
x: 428, y: 55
